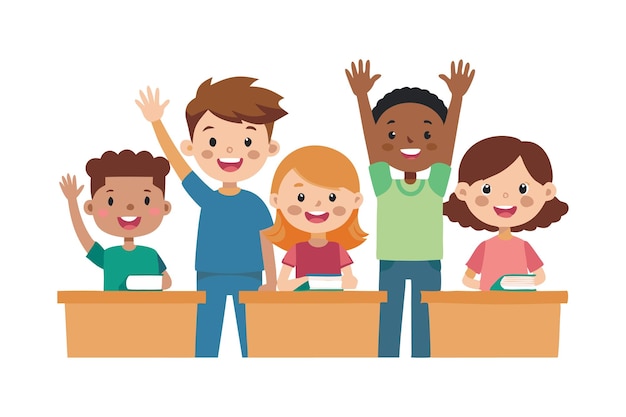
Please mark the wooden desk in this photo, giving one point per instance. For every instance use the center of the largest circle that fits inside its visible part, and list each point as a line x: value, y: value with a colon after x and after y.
x: 494, y: 323
x: 130, y: 323
x: 312, y: 323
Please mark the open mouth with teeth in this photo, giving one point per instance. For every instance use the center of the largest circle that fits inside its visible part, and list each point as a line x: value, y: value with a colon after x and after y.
x: 410, y: 153
x: 129, y: 222
x: 230, y: 164
x: 316, y: 216
x: 505, y: 211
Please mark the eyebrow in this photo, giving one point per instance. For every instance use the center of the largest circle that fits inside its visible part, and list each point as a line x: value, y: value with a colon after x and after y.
x: 298, y: 184
x: 148, y: 191
x: 251, y: 127
x: 206, y: 128
x: 390, y: 122
x: 109, y: 191
x: 428, y: 122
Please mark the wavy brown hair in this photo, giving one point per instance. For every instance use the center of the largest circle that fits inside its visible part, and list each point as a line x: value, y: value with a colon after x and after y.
x: 127, y: 164
x: 234, y: 99
x: 491, y: 156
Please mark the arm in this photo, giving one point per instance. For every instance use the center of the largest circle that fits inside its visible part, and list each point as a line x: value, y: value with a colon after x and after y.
x: 267, y: 249
x: 286, y: 284
x: 540, y: 276
x: 167, y: 280
x: 361, y: 83
x: 459, y: 82
x: 469, y: 279
x: 153, y: 111
x: 348, y: 280
x: 71, y: 192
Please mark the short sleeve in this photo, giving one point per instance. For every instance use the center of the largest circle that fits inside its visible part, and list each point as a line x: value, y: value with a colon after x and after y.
x: 197, y: 189
x: 96, y: 255
x: 475, y: 262
x: 162, y: 266
x: 344, y: 257
x: 439, y: 177
x: 290, y: 257
x: 532, y: 259
x: 380, y: 174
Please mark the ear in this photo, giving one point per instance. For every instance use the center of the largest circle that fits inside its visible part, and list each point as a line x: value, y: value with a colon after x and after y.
x: 462, y: 191
x: 550, y: 190
x: 358, y: 200
x: 274, y: 147
x: 186, y: 147
x: 88, y: 207
x: 274, y: 200
x: 167, y: 207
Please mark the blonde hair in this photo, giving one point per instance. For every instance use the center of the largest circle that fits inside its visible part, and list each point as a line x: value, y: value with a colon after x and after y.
x: 337, y: 172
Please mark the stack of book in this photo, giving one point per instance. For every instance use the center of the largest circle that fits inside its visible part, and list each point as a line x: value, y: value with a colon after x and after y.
x: 515, y: 282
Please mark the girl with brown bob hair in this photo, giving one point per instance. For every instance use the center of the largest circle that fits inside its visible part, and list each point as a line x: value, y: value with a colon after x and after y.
x: 504, y: 185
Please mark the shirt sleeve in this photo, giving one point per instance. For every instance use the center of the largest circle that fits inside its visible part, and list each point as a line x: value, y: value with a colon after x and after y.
x: 344, y: 257
x: 162, y: 266
x: 380, y: 174
x: 439, y: 177
x: 96, y: 254
x: 475, y: 262
x: 290, y: 257
x: 532, y: 259
x: 197, y: 189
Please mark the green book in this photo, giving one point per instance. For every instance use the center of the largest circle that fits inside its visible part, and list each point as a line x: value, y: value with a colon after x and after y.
x: 515, y: 282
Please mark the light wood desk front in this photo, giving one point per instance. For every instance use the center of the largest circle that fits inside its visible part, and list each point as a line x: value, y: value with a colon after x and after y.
x: 312, y: 323
x: 494, y: 323
x: 131, y: 323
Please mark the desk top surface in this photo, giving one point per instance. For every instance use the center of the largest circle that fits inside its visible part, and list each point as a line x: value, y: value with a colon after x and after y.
x: 125, y: 297
x: 494, y: 297
x: 322, y: 297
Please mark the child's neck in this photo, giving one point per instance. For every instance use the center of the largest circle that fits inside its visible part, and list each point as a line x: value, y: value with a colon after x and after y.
x: 229, y: 188
x: 410, y: 177
x: 504, y: 233
x: 129, y: 243
x: 318, y: 239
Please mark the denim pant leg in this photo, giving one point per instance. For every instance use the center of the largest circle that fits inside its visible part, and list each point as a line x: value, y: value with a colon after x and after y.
x: 249, y: 282
x: 210, y: 315
x: 392, y: 280
x: 426, y: 276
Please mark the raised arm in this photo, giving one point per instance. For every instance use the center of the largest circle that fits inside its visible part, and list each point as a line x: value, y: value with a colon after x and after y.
x: 153, y: 112
x: 459, y: 82
x: 71, y: 192
x: 361, y: 83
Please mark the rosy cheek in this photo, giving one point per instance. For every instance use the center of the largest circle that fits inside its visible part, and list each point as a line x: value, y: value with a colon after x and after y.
x: 207, y: 154
x: 339, y: 211
x: 254, y: 154
x: 103, y: 212
x: 481, y: 201
x: 527, y: 201
x: 154, y: 211
x: 294, y: 210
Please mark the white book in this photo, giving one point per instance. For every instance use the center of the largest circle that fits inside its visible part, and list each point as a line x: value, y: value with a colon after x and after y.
x: 144, y: 282
x: 513, y: 282
x: 324, y: 282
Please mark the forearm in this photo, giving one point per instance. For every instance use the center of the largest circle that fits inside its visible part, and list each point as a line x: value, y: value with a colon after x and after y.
x: 171, y: 153
x: 79, y: 227
x: 469, y: 279
x: 269, y: 263
x: 540, y: 276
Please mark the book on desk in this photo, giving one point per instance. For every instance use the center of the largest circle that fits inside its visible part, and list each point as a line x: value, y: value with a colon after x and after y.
x: 515, y: 282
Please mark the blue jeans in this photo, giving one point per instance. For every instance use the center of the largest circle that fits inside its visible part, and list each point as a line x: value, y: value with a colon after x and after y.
x: 424, y: 275
x: 210, y: 316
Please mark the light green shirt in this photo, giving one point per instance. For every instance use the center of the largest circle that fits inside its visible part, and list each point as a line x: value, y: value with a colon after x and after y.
x: 409, y: 223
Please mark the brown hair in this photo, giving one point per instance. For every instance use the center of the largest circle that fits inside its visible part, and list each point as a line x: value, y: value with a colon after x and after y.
x: 234, y: 100
x: 491, y: 156
x: 337, y: 172
x: 127, y: 164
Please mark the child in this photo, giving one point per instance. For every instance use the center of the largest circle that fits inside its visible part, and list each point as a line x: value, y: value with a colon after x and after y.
x: 317, y: 215
x: 411, y: 130
x: 505, y: 185
x: 127, y: 192
x: 230, y: 126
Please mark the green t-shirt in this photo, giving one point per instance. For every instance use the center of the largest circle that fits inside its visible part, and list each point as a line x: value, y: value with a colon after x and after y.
x: 409, y: 216
x: 118, y: 263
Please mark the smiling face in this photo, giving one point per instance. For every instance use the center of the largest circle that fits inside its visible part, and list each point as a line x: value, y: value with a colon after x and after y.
x: 507, y: 199
x: 128, y: 206
x: 229, y: 151
x: 407, y: 136
x: 311, y: 208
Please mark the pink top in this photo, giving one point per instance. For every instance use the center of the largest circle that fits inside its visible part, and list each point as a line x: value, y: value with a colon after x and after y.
x: 308, y: 259
x: 495, y: 257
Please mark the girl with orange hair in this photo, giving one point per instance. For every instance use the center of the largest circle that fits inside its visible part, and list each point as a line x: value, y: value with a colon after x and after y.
x: 316, y: 216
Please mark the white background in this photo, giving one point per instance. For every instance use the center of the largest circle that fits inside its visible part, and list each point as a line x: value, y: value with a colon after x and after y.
x: 547, y: 72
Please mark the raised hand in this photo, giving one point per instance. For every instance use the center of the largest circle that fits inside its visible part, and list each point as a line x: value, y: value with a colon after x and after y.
x: 150, y: 106
x: 460, y: 78
x: 69, y: 188
x: 359, y: 79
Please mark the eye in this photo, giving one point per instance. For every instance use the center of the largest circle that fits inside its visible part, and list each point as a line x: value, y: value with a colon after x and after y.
x: 332, y: 197
x: 523, y: 188
x: 300, y: 197
x: 247, y: 142
x: 146, y: 200
x: 486, y: 189
x: 110, y: 201
x: 427, y: 135
x: 391, y: 135
x: 212, y: 142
